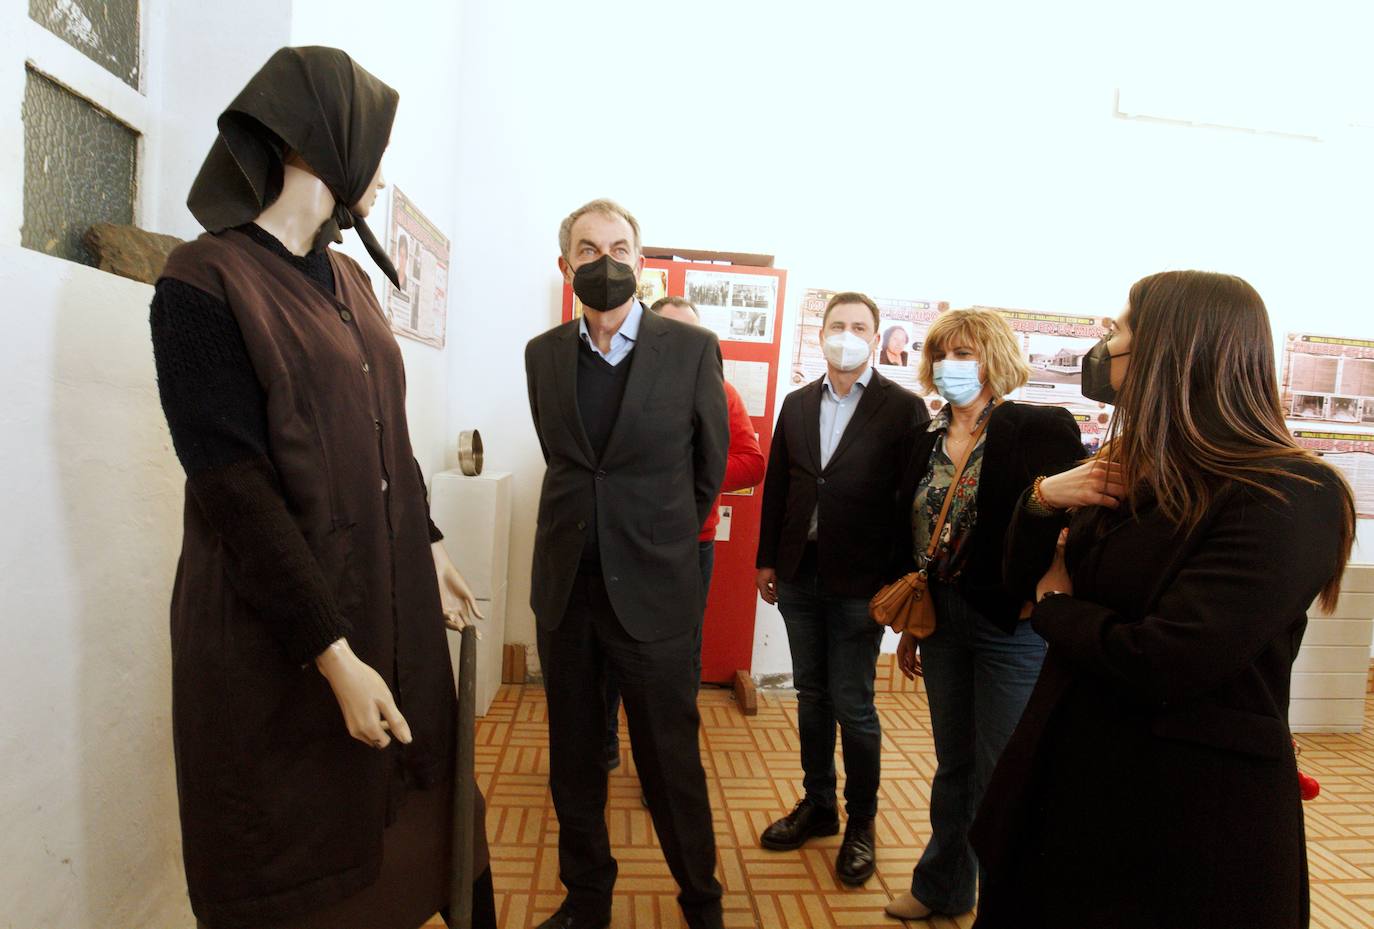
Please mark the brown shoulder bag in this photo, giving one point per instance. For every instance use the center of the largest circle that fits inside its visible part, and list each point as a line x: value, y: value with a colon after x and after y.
x: 904, y: 605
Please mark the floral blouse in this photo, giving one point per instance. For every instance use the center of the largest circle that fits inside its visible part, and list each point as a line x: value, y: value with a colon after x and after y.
x: 930, y: 499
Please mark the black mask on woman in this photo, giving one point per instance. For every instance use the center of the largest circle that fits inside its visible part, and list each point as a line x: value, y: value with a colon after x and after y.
x: 1097, y: 374
x: 605, y: 284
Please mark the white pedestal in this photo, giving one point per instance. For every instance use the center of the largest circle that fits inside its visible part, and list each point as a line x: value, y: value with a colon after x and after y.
x: 473, y: 513
x: 1331, y: 670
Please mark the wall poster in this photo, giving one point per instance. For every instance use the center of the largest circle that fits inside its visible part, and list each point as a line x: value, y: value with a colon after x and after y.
x: 902, y: 330
x: 1328, y: 398
x: 418, y: 308
x: 1053, y: 344
x: 736, y: 307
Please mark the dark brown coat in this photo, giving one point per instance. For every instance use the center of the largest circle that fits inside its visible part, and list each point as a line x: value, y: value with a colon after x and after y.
x: 1151, y: 781
x: 282, y: 811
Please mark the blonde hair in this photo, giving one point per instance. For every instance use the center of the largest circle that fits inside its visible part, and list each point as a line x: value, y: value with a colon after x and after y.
x: 987, y: 331
x: 607, y: 207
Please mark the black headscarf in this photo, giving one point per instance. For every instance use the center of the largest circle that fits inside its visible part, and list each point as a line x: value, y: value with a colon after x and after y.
x: 320, y: 104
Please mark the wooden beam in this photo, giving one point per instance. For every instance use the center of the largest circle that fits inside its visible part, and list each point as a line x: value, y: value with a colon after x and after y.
x: 746, y: 695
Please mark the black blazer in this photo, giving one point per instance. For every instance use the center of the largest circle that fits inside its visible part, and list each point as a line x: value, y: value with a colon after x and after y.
x: 855, y: 491
x: 1151, y: 780
x: 653, y: 487
x: 1023, y: 442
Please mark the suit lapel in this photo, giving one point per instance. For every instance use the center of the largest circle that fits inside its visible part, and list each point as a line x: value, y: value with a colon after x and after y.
x: 811, y: 422
x: 564, y: 350
x: 874, y: 395
x: 644, y: 362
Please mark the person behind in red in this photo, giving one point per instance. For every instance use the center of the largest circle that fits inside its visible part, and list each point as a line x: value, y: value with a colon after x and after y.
x: 744, y: 469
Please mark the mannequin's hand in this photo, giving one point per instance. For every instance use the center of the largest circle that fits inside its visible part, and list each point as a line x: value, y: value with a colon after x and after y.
x: 909, y: 657
x: 460, y: 606
x: 364, y: 699
x: 1096, y: 482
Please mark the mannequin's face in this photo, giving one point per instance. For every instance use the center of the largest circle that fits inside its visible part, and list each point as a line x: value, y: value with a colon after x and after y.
x: 364, y: 206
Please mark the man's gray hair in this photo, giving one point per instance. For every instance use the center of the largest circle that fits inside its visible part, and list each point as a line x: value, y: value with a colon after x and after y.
x: 608, y: 207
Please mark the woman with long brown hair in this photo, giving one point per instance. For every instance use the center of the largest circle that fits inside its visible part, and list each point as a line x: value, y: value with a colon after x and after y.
x: 1151, y: 781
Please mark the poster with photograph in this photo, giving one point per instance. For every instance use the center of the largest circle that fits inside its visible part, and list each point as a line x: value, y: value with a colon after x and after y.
x: 1349, y: 451
x: 1328, y: 379
x: 1054, y: 346
x: 653, y: 284
x: 736, y: 307
x: 902, y: 328
x: 418, y: 308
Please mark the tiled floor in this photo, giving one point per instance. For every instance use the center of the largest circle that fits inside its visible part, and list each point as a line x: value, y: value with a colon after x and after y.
x: 754, y: 775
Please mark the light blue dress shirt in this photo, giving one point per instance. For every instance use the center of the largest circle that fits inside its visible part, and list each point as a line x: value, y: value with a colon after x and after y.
x: 623, y: 340
x: 836, y: 412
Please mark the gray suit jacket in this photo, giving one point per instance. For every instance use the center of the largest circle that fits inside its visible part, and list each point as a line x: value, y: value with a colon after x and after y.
x: 652, y: 489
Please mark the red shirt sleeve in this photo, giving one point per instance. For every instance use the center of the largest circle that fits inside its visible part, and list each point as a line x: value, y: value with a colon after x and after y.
x: 745, y: 466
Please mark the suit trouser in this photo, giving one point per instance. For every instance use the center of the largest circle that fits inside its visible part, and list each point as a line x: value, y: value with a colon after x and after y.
x: 659, y: 692
x: 706, y: 559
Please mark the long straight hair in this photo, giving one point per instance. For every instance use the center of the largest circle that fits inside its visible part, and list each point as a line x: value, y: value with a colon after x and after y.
x: 1199, y: 405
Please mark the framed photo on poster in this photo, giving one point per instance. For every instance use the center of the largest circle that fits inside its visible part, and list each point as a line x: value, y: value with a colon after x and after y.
x: 418, y: 308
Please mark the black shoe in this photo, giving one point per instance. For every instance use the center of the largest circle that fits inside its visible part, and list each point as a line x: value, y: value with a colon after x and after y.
x: 565, y: 920
x: 808, y: 818
x: 612, y: 755
x: 857, y: 858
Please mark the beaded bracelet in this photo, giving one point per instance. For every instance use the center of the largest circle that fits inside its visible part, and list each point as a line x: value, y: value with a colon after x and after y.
x: 1036, y: 503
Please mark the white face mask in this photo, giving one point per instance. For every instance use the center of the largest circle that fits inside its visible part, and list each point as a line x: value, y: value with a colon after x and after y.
x: 847, y: 351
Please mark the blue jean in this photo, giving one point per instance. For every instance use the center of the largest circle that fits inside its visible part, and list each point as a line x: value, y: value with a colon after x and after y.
x: 978, y: 679
x: 834, y: 648
x: 706, y: 556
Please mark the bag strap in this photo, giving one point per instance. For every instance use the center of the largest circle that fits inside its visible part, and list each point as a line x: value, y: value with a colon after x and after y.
x: 954, y: 484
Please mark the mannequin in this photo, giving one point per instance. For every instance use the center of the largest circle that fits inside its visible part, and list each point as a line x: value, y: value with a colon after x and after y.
x: 313, y: 701
x: 294, y: 219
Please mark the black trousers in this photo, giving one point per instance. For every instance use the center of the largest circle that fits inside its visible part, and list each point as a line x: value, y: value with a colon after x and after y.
x: 658, y: 686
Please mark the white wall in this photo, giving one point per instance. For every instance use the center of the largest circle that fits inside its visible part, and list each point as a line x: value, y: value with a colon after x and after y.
x: 945, y: 151
x: 92, y: 499
x: 417, y: 55
x: 92, y: 502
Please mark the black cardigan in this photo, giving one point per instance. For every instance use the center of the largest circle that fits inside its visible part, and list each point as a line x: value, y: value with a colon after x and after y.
x: 1023, y: 442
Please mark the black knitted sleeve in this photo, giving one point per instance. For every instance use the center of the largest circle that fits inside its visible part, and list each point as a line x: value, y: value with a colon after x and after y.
x: 216, y: 411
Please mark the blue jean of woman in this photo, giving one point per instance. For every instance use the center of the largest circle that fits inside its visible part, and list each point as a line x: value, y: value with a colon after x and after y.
x: 978, y: 679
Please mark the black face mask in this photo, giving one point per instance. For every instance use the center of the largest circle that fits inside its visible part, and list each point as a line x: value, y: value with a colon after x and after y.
x: 1097, y: 374
x: 605, y: 284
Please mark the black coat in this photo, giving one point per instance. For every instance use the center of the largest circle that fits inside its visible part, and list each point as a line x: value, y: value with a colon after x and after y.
x: 855, y: 490
x: 1151, y: 781
x: 652, y: 488
x: 1023, y: 442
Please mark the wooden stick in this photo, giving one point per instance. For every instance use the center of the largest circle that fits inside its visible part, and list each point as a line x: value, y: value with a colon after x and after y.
x: 464, y: 785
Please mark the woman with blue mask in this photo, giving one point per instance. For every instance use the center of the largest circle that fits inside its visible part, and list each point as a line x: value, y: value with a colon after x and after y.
x: 981, y: 662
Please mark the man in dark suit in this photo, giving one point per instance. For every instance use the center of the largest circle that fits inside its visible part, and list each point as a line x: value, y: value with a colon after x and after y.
x: 825, y: 547
x: 630, y: 412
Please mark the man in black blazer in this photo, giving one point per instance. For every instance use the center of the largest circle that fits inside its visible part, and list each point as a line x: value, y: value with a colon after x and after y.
x: 825, y: 547
x: 630, y: 412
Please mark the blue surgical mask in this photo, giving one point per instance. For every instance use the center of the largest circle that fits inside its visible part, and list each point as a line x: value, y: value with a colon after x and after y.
x: 957, y: 381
